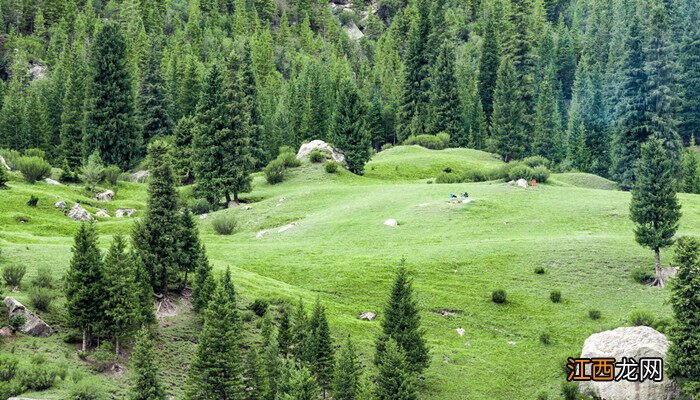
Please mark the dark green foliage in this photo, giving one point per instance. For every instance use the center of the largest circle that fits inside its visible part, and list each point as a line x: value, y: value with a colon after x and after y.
x: 153, y: 102
x: 428, y: 141
x: 87, y: 389
x: 12, y: 274
x: 445, y: 104
x: 3, y: 178
x: 72, y: 118
x: 121, y: 318
x: 642, y: 318
x: 111, y: 174
x: 346, y: 383
x: 545, y: 338
x: 41, y: 299
x: 33, y: 168
x: 204, y: 283
x: 92, y: 171
x: 224, y: 224
x: 274, y: 172
x: 189, y: 245
x: 594, y: 314
x: 318, y: 351
x: 37, y: 377
x: 199, y: 206
x: 156, y: 236
x: 499, y: 296
x: 16, y: 322
x: 284, y: 332
x: 331, y: 167
x: 520, y: 171
x: 642, y: 275
x: 488, y: 66
x: 401, y: 323
x: 257, y: 382
x: 689, y: 124
x: 685, y: 335
x: 299, y: 384
x: 217, y: 369
x: 111, y: 127
x: 259, y: 307
x: 508, y: 128
x: 33, y: 201
x: 84, y: 287
x: 144, y: 382
x: 184, y: 163
x: 540, y: 174
x: 144, y: 293
x: 654, y: 207
x: 690, y: 170
x: 395, y: 380
x: 350, y: 132
x: 316, y: 156
x: 539, y: 270
x: 555, y: 296
x: 569, y: 390
x: 8, y: 367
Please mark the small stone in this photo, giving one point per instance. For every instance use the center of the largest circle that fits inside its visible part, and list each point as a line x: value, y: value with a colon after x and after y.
x: 6, y: 332
x: 247, y: 207
x: 124, y: 212
x: 52, y: 182
x: 287, y: 227
x: 33, y: 325
x: 107, y: 195
x: 140, y: 176
x: 391, y: 222
x: 103, y: 214
x: 78, y: 213
x: 368, y: 316
x: 460, y: 331
x: 61, y: 205
x: 203, y: 216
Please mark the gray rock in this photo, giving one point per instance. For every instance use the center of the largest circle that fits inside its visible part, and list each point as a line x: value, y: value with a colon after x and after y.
x: 78, y: 213
x: 391, y: 222
x: 636, y: 342
x: 52, y: 182
x: 353, y: 31
x: 4, y: 164
x: 521, y: 183
x: 247, y: 207
x: 33, y: 326
x: 140, y: 176
x: 61, y: 205
x: 330, y: 151
x: 102, y: 214
x: 36, y: 71
x: 368, y: 316
x: 124, y: 212
x: 107, y: 195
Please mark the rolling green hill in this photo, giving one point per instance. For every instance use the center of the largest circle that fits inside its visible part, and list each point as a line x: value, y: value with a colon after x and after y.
x: 340, y: 251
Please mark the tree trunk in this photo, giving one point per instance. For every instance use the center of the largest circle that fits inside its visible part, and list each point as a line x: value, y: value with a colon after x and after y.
x: 228, y: 199
x: 116, y: 346
x: 659, y: 280
x: 235, y: 197
x: 84, y: 339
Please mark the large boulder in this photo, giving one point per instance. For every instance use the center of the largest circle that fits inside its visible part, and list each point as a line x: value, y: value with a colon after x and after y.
x: 78, y: 213
x: 52, y: 182
x: 33, y: 326
x: 325, y: 148
x: 630, y: 342
x: 3, y: 163
x: 36, y: 71
x: 140, y: 176
x: 353, y: 31
x: 107, y: 195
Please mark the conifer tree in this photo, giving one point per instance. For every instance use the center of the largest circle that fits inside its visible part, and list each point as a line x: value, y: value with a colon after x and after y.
x: 110, y: 125
x: 488, y: 66
x: 144, y: 381
x: 284, y: 332
x: 249, y: 85
x: 547, y: 137
x: 350, y: 132
x: 565, y: 58
x: 300, y: 385
x: 3, y: 177
x: 446, y: 110
x: 184, y: 163
x: 690, y: 164
x: 685, y: 333
x: 189, y: 245
x: 258, y: 385
x: 144, y: 292
x: 346, y: 383
x: 217, y: 369
x: 120, y: 315
x: 689, y: 126
x: 300, y: 330
x: 394, y: 380
x: 319, y: 352
x: 402, y: 324
x: 72, y: 117
x: 84, y: 286
x: 157, y: 235
x: 654, y: 208
x: 508, y: 128
x: 154, y: 107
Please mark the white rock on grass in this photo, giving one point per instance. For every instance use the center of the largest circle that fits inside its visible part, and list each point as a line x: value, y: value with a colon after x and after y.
x: 102, y: 214
x: 140, y: 176
x: 368, y: 316
x: 330, y: 151
x: 52, y: 182
x: 124, y: 212
x: 391, y: 222
x: 521, y: 183
x: 107, y: 195
x: 61, y: 205
x: 460, y: 331
x: 78, y: 213
x: 287, y: 227
x: 33, y: 325
x: 3, y: 164
x: 637, y: 342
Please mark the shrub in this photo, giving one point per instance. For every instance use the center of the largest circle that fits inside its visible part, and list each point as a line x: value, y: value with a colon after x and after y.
x: 478, y: 175
x: 35, y: 153
x: 519, y: 171
x: 11, y: 388
x: 13, y: 274
x: 427, y: 141
x: 104, y: 357
x: 8, y: 367
x: 444, y: 138
x: 386, y: 146
x: 259, y: 307
x: 331, y: 167
x: 43, y: 278
x: 87, y: 389
x: 3, y: 177
x: 274, y: 172
x: 16, y: 322
x: 642, y: 275
x: 540, y: 173
x: 642, y: 318
x: 499, y: 296
x: 545, y: 338
x: 200, y: 206
x: 33, y: 201
x: 224, y: 224
x: 446, y: 177
x: 41, y: 299
x: 68, y: 175
x: 594, y: 314
x: 111, y: 174
x: 316, y: 156
x: 38, y: 377
x: 536, y: 161
x: 33, y: 168
x: 447, y: 170
x: 288, y: 158
x: 539, y: 270
x: 92, y: 170
x: 569, y: 390
x: 10, y: 157
x: 555, y: 296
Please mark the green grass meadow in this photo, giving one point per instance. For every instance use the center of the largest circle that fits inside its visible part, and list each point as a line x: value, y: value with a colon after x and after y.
x: 576, y: 227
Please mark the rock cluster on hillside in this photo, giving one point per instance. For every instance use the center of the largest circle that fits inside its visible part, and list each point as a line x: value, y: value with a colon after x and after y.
x: 78, y: 213
x: 33, y: 326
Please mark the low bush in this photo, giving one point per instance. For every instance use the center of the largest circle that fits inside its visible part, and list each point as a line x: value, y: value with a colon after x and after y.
x: 16, y: 322
x: 594, y: 314
x: 8, y: 367
x: 38, y: 377
x: 35, y: 153
x: 447, y: 177
x: 477, y: 175
x: 642, y: 318
x: 111, y: 174
x: 539, y: 270
x: 499, y: 296
x: 316, y: 156
x: 224, y: 224
x: 569, y: 390
x: 10, y: 157
x: 642, y: 275
x: 444, y: 138
x: 447, y: 170
x: 13, y: 274
x: 11, y: 388
x: 92, y: 171
x: 543, y: 396
x: 104, y: 357
x: 386, y: 146
x: 555, y: 296
x: 87, y: 389
x: 4, y: 178
x: 259, y: 307
x: 545, y: 338
x: 41, y: 299
x: 199, y: 206
x: 274, y: 172
x: 33, y: 201
x: 519, y: 171
x: 536, y: 161
x: 68, y: 175
x: 540, y: 173
x: 331, y: 167
x: 427, y: 141
x: 33, y: 168
x: 288, y: 158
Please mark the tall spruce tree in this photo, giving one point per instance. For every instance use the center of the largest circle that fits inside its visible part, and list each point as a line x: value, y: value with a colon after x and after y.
x: 319, y: 352
x: 445, y: 105
x: 689, y: 126
x: 110, y: 126
x: 508, y: 129
x: 189, y: 246
x: 488, y: 65
x: 143, y: 369
x: 154, y: 106
x: 84, y: 287
x: 120, y: 316
x: 72, y: 117
x: 348, y: 371
x: 395, y: 380
x: 401, y: 323
x: 654, y: 208
x: 259, y: 149
x: 204, y: 283
x: 685, y: 333
x: 547, y: 140
x: 157, y: 236
x: 350, y: 131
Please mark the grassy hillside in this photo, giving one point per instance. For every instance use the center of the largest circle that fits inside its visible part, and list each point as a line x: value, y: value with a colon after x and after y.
x: 341, y: 252
x: 583, y: 180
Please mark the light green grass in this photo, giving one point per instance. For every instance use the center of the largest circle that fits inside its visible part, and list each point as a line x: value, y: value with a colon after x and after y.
x: 341, y: 252
x: 403, y: 163
x: 583, y: 180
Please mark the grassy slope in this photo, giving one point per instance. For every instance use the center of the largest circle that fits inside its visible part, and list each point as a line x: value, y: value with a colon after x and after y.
x: 342, y: 252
